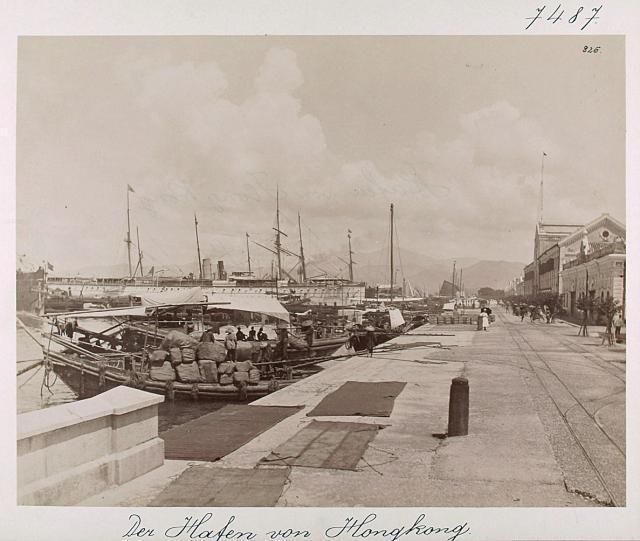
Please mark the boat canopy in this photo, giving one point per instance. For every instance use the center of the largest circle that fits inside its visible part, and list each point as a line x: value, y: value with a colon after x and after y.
x: 124, y: 311
x: 260, y: 304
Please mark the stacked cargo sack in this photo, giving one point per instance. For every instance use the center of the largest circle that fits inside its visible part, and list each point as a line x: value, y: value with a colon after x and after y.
x: 212, y: 351
x: 160, y: 368
x: 242, y: 370
x: 178, y: 339
x: 188, y: 355
x: 176, y: 356
x: 208, y: 370
x: 247, y: 351
x: 188, y: 373
x: 225, y: 372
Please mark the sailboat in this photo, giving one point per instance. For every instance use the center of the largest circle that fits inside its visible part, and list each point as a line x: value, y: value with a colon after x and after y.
x: 317, y: 291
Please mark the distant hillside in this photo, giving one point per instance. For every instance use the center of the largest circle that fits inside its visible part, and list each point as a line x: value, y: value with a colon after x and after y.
x: 494, y: 274
x: 422, y: 272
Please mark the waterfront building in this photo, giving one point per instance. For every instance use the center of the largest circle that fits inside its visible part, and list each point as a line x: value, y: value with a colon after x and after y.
x: 597, y: 265
x: 548, y: 257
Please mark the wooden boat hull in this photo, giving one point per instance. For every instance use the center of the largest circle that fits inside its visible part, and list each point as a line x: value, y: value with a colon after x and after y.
x: 87, y: 379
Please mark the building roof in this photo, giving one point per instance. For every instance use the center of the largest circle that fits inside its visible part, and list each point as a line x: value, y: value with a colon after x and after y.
x: 557, y: 229
x: 603, y: 220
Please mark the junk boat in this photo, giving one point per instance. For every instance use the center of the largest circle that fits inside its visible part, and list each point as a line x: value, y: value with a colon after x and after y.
x: 159, y: 349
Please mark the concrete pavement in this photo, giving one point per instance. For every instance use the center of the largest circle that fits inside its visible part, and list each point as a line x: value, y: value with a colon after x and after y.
x: 546, y: 426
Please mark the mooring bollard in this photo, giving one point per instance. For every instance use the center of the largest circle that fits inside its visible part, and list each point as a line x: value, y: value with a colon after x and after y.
x: 459, y: 407
x: 479, y: 328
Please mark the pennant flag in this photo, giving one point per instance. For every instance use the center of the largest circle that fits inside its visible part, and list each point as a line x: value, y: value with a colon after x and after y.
x: 130, y: 188
x: 49, y: 266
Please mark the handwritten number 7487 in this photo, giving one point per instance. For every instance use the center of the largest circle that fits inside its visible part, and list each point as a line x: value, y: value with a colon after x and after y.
x: 559, y: 12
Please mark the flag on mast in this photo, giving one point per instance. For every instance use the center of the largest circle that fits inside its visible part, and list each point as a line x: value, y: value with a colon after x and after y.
x: 130, y: 188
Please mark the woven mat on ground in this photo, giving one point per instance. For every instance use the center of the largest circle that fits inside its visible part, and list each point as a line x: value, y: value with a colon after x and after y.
x: 325, y: 444
x: 374, y: 399
x: 202, y: 486
x: 217, y: 434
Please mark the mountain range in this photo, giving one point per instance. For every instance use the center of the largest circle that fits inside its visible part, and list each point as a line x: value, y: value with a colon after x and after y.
x: 422, y: 272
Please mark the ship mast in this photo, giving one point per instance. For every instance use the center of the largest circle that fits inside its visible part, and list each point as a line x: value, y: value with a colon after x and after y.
x: 195, y: 219
x: 304, y: 270
x: 391, y: 262
x: 453, y: 281
x: 128, y: 239
x: 350, y: 257
x: 248, y: 254
x: 139, y: 252
x: 278, y: 244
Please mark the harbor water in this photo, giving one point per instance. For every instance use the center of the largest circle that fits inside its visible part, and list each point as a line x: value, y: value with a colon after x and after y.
x: 32, y: 393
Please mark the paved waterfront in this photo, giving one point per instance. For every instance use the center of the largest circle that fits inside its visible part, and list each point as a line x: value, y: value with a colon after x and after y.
x: 546, y: 428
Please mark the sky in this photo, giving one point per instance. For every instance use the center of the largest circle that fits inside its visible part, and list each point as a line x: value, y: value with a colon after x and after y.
x: 449, y: 129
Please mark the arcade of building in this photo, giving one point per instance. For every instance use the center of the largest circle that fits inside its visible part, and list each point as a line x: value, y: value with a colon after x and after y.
x: 573, y: 261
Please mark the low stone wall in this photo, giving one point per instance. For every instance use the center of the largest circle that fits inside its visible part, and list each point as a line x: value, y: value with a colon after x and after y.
x: 70, y: 452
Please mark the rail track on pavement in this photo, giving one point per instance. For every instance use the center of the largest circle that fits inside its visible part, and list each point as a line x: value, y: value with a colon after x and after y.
x: 528, y: 351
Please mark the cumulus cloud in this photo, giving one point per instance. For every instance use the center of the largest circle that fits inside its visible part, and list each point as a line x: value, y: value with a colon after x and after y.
x: 189, y: 141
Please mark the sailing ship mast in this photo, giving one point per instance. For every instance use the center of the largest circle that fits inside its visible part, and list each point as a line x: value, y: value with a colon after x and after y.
x: 139, y: 252
x: 195, y: 219
x: 248, y: 254
x: 304, y: 270
x: 128, y: 239
x: 391, y: 262
x: 278, y: 233
x: 350, y: 257
x: 453, y: 281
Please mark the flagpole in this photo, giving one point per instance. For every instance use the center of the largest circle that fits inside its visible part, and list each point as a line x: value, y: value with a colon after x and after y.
x: 542, y: 188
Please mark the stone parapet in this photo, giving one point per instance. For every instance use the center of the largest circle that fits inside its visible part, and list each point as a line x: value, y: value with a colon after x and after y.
x: 70, y: 452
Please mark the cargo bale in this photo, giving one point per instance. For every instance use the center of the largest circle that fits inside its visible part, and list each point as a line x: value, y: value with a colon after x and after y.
x: 212, y: 351
x: 226, y: 379
x: 188, y: 355
x: 208, y: 371
x: 162, y: 373
x: 158, y: 356
x: 178, y: 339
x: 254, y: 376
x: 244, y: 366
x: 239, y: 377
x: 188, y: 373
x: 226, y: 368
x: 176, y: 356
x: 247, y: 350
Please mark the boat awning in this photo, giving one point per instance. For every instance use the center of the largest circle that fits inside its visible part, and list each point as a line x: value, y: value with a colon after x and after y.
x: 190, y: 295
x: 125, y: 311
x: 260, y: 304
x: 245, y: 302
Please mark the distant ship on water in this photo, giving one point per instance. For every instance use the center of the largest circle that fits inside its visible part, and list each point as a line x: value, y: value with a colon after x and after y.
x: 323, y: 291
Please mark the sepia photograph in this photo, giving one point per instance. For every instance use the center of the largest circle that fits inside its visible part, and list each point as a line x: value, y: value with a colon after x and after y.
x: 375, y: 271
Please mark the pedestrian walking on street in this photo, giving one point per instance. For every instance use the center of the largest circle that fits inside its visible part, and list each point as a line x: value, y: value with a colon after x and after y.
x: 485, y: 321
x: 617, y: 324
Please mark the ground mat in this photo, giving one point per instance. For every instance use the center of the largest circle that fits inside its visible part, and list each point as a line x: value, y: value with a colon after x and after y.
x: 205, y: 486
x: 325, y: 444
x: 373, y: 399
x: 217, y: 434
